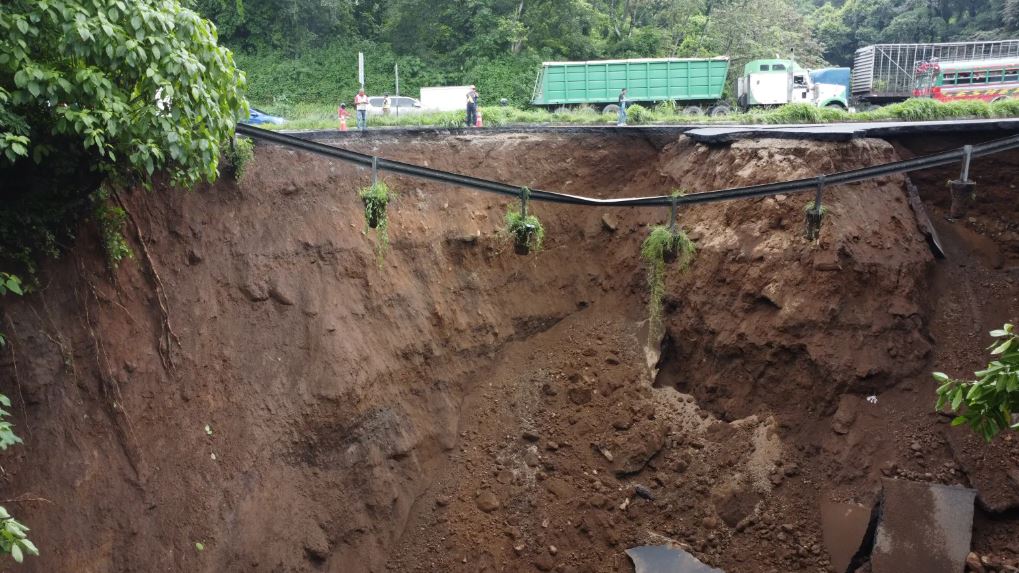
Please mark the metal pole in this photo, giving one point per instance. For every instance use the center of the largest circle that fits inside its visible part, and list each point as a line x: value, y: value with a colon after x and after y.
x: 672, y: 214
x: 523, y: 202
x: 396, y: 70
x: 817, y: 197
x: 375, y: 170
x: 967, y: 153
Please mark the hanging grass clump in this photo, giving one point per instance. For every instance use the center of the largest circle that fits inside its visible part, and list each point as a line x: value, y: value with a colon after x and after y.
x: 376, y: 197
x: 526, y: 230
x: 663, y: 245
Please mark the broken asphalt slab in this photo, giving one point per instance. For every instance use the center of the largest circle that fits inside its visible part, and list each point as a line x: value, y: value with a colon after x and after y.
x: 845, y: 527
x: 923, y: 527
x: 666, y: 559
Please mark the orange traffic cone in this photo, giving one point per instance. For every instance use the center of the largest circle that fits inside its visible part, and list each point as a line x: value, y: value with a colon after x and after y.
x: 343, y: 123
x: 478, y: 122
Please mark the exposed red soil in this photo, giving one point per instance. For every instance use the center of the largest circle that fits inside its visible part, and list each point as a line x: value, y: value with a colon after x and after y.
x: 452, y: 410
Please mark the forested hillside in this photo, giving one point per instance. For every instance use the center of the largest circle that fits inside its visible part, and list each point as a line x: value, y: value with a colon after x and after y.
x: 306, y: 50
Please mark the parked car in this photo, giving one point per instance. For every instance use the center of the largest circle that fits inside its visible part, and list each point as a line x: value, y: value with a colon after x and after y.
x: 256, y: 117
x: 399, y: 104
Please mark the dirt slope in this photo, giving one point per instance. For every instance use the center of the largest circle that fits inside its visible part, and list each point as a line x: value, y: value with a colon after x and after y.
x: 363, y: 418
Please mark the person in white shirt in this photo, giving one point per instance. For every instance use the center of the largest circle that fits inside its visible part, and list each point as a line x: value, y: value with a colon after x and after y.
x: 361, y: 103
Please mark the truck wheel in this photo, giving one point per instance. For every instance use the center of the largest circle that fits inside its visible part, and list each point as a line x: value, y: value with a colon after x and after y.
x: 692, y: 110
x: 720, y: 111
x: 611, y: 109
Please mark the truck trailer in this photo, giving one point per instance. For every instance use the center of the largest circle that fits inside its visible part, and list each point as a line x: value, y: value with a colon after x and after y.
x: 690, y: 82
x: 886, y: 73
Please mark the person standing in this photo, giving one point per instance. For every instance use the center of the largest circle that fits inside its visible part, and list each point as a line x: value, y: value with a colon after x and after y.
x: 622, y: 108
x: 472, y: 107
x: 386, y: 104
x: 361, y: 105
x: 343, y: 115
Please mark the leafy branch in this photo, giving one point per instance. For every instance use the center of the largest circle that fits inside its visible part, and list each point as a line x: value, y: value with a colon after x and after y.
x: 989, y: 403
x: 13, y: 538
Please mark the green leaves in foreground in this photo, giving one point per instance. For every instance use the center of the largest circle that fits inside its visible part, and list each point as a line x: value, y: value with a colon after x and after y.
x: 13, y: 537
x: 988, y: 403
x: 142, y: 86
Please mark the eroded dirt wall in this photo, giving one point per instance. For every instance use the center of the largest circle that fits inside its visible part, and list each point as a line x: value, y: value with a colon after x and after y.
x: 336, y: 392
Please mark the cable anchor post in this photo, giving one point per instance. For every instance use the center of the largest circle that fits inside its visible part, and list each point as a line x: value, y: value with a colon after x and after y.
x: 672, y: 215
x: 962, y: 190
x: 815, y: 214
x: 375, y: 170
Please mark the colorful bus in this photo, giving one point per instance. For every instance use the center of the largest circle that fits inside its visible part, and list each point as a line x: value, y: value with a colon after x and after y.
x: 984, y: 80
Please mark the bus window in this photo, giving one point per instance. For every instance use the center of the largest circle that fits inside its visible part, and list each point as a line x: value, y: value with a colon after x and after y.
x: 778, y: 67
x: 962, y: 78
x: 765, y: 67
x: 1011, y: 75
x: 979, y: 78
x: 948, y: 80
x: 994, y: 76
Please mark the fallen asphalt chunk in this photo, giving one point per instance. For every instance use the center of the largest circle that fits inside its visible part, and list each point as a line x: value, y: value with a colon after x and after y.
x: 845, y: 527
x: 923, y: 527
x: 666, y: 559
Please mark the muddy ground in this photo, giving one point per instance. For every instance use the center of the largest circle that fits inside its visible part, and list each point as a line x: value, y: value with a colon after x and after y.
x: 256, y: 383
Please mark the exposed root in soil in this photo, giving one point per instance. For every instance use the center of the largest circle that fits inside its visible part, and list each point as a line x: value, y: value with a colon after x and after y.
x: 168, y: 338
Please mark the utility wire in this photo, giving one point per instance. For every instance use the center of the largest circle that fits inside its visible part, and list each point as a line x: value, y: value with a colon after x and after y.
x: 764, y: 190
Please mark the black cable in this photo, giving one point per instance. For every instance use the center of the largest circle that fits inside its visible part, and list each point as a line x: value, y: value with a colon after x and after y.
x: 753, y: 191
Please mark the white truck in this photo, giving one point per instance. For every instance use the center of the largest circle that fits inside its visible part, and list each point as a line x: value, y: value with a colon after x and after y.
x: 778, y: 82
x: 444, y: 98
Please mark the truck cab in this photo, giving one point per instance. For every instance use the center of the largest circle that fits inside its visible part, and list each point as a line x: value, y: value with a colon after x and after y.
x: 779, y: 82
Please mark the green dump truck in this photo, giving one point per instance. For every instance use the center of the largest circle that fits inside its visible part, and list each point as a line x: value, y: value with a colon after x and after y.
x: 693, y: 83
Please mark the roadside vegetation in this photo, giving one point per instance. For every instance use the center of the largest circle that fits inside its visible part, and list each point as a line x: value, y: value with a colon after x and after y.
x: 322, y: 116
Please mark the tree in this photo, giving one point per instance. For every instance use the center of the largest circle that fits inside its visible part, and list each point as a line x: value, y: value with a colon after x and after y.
x: 143, y: 85
x: 989, y: 403
x: 103, y: 90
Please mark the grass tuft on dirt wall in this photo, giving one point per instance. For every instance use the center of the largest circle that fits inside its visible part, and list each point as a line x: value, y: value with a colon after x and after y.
x: 376, y: 198
x: 662, y: 245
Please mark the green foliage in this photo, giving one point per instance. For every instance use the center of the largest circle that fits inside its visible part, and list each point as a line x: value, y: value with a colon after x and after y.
x: 1008, y: 107
x: 809, y: 208
x: 638, y: 114
x: 660, y: 244
x: 376, y: 197
x: 8, y: 283
x: 524, y: 228
x: 14, y: 537
x: 989, y: 403
x: 527, y: 232
x: 794, y: 113
x: 11, y: 283
x: 238, y: 152
x: 111, y: 218
x: 141, y: 86
x: 7, y: 435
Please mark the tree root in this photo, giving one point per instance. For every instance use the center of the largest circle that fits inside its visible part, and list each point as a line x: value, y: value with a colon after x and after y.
x: 168, y: 338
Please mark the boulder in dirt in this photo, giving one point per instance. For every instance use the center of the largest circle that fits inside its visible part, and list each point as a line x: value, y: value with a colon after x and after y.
x: 488, y: 502
x: 845, y: 415
x: 927, y: 526
x: 609, y: 222
x: 736, y: 505
x: 636, y: 450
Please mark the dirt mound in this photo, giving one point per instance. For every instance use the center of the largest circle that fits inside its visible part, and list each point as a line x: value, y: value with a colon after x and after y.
x: 462, y: 408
